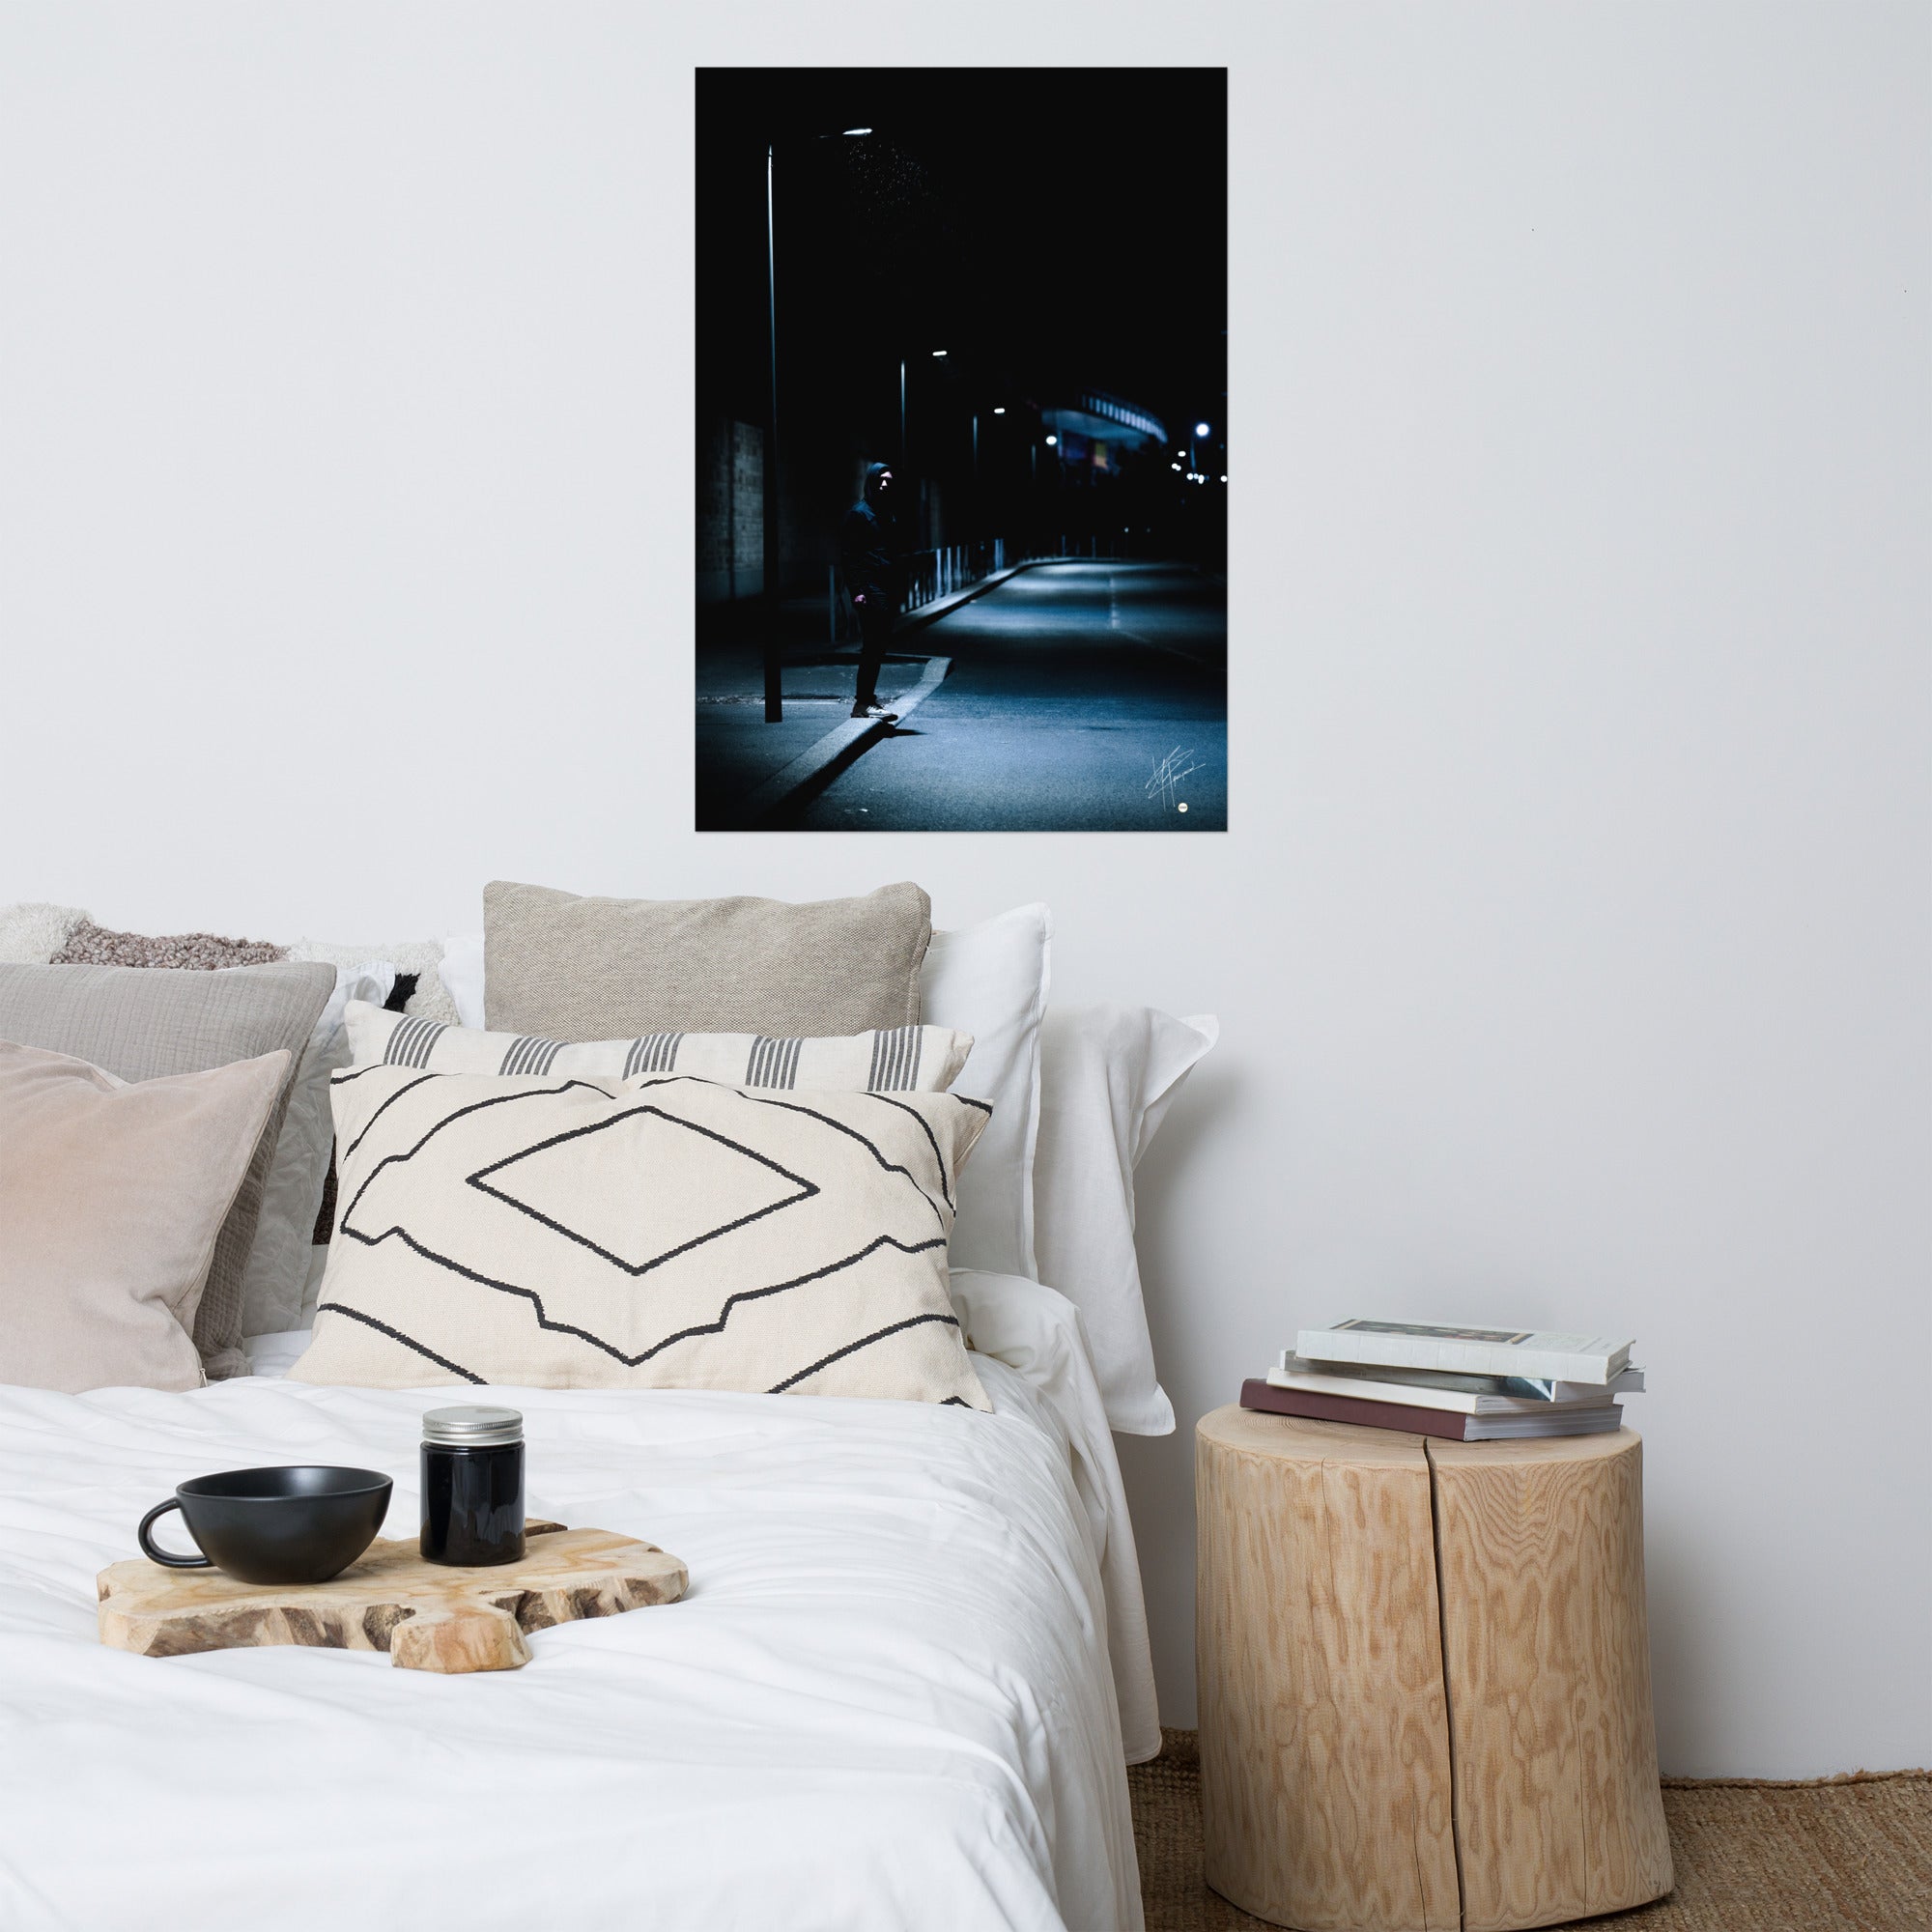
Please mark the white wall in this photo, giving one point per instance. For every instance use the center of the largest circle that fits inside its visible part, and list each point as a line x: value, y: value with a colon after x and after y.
x: 1571, y: 940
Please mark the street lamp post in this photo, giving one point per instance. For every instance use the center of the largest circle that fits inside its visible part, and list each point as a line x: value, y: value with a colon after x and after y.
x: 773, y: 683
x: 774, y: 663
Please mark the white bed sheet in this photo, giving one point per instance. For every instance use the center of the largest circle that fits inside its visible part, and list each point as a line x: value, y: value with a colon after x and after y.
x: 886, y: 1702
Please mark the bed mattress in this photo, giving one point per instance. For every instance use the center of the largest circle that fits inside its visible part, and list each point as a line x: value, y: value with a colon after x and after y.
x: 887, y: 1701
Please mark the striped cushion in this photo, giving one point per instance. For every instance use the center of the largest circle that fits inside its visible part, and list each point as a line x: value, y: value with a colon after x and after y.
x: 897, y: 1059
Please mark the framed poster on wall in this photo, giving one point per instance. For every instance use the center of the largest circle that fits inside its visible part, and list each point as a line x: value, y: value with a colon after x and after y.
x: 962, y: 449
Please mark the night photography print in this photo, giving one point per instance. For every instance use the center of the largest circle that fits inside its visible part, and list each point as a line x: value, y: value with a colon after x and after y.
x: 962, y: 449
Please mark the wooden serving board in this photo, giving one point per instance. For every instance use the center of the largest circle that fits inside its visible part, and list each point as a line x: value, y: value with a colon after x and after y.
x: 426, y: 1615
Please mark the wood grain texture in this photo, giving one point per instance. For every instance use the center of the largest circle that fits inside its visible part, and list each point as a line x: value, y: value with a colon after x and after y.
x: 1546, y: 1654
x: 1324, y: 1763
x: 426, y: 1615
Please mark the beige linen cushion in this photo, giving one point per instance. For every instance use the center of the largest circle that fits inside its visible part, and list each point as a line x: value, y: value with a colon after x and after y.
x: 140, y: 1025
x: 570, y: 968
x: 654, y: 1233
x: 111, y: 1195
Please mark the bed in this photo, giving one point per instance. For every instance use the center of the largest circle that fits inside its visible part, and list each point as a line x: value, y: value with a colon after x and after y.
x: 902, y: 1690
x: 912, y: 1664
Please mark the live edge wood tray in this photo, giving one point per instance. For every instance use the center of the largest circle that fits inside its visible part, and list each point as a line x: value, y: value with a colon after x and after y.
x: 428, y: 1616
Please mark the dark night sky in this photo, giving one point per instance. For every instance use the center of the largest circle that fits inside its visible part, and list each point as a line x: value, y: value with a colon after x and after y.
x: 1066, y: 227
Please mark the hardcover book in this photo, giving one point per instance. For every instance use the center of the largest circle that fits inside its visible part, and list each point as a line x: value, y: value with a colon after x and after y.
x: 1583, y: 1419
x: 1459, y: 1395
x: 1468, y: 1350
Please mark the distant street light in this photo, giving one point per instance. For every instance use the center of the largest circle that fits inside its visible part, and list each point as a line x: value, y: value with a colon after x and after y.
x: 939, y: 352
x: 1000, y: 411
x: 1203, y: 429
x: 853, y: 133
x: 1051, y: 441
x: 1173, y: 465
x: 1224, y: 480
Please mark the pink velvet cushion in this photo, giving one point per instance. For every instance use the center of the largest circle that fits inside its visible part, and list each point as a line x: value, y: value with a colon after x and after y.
x: 111, y: 1195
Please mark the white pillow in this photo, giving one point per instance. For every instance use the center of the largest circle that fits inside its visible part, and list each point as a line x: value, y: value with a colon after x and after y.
x: 277, y: 1265
x: 461, y: 975
x: 991, y: 981
x: 1109, y: 1075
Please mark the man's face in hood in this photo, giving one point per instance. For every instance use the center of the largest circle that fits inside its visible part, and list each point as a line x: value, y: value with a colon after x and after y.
x: 878, y: 483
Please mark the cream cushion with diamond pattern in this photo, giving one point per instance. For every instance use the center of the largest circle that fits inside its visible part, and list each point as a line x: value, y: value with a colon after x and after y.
x: 661, y: 1232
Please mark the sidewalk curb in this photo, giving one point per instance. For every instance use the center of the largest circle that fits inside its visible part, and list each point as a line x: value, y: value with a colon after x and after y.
x: 844, y: 743
x: 839, y: 747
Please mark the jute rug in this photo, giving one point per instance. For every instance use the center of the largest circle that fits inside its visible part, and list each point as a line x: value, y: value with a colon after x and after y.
x: 1849, y: 1854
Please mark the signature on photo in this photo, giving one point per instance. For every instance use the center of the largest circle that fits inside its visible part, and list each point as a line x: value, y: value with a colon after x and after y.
x: 1168, y: 773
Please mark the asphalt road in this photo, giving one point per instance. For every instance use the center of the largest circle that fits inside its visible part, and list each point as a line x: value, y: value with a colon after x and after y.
x: 1083, y: 698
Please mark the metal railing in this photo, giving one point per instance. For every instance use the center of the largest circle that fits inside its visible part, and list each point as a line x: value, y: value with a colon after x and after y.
x: 934, y: 575
x: 1116, y: 547
x: 930, y: 575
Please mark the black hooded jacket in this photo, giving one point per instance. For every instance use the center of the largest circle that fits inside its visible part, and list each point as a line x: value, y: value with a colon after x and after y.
x: 868, y: 545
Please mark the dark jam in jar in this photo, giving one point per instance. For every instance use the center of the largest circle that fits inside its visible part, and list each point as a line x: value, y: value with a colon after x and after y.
x: 472, y: 1485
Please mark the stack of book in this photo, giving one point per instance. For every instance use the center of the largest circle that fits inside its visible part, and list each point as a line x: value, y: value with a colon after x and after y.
x: 1468, y: 1384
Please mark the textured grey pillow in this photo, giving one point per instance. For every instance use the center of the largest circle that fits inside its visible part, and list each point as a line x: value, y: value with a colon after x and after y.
x: 142, y: 1025
x: 572, y: 969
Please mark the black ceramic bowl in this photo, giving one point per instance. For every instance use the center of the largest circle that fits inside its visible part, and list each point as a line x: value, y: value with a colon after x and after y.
x: 301, y: 1525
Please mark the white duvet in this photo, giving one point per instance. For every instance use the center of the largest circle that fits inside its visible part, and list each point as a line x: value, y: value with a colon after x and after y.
x: 887, y: 1701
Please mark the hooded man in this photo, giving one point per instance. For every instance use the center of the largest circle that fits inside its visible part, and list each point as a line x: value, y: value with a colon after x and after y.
x: 869, y: 557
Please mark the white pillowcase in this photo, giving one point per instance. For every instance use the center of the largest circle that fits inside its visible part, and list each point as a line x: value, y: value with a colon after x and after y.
x: 991, y: 981
x: 277, y: 1266
x: 461, y: 974
x: 1109, y: 1075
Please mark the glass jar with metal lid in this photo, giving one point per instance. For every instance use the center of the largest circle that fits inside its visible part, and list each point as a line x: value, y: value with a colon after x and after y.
x: 472, y: 1485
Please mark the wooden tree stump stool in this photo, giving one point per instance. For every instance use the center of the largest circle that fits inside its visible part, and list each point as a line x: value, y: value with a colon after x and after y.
x: 1425, y: 1677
